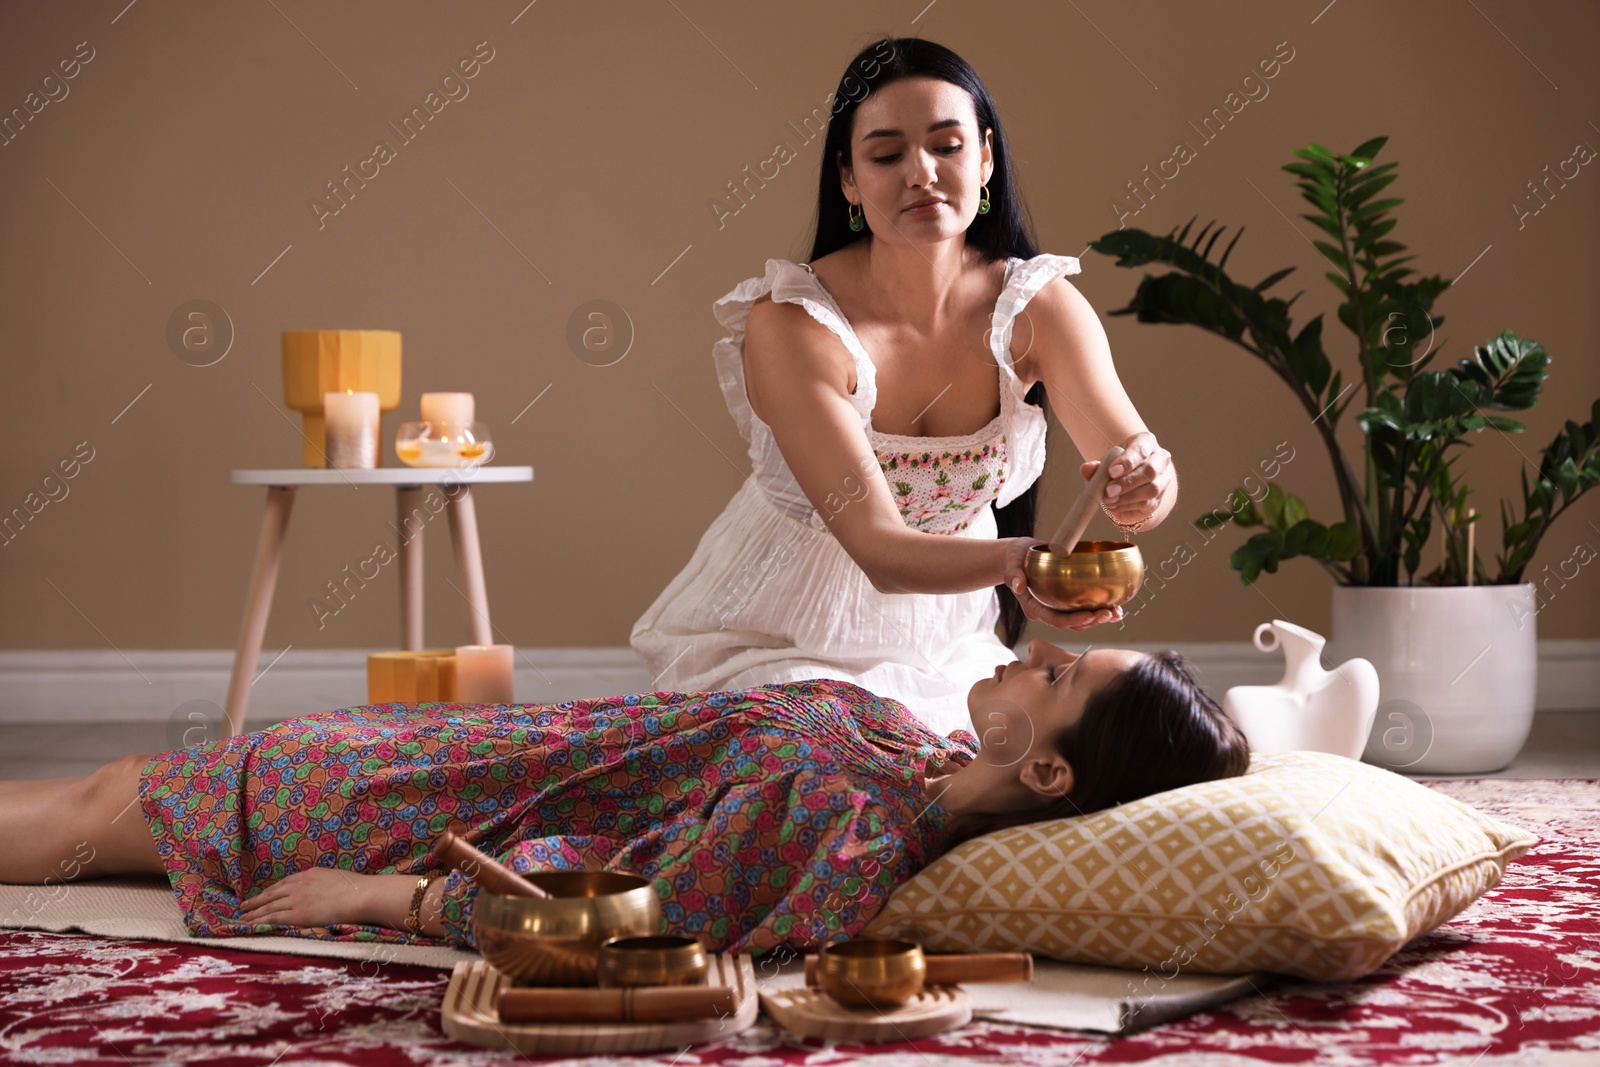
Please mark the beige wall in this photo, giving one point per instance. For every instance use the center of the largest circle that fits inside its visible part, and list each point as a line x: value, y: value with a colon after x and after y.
x: 596, y: 140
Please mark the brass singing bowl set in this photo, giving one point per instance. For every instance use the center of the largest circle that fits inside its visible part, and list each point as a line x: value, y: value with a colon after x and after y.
x: 665, y: 959
x: 557, y: 941
x: 1095, y: 575
x: 600, y: 928
x: 871, y: 972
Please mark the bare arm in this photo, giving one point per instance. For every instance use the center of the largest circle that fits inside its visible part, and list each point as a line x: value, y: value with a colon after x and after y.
x: 388, y: 901
x: 1066, y: 346
x: 326, y: 896
x: 797, y: 377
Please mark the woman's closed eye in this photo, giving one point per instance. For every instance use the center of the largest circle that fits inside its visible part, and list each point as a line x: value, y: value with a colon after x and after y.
x: 947, y: 150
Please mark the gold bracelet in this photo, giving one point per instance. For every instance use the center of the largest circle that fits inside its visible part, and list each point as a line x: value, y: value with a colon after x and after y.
x: 414, y: 915
x: 1126, y: 531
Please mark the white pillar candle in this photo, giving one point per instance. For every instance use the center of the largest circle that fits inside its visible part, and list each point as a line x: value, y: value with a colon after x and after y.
x: 483, y: 674
x: 447, y: 408
x: 351, y: 421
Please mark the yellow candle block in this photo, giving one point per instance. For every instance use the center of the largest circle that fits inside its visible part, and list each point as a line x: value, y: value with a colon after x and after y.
x: 316, y: 362
x: 411, y: 677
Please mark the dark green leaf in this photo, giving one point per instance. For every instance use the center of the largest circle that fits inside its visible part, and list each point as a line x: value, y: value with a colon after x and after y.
x: 1243, y: 508
x: 1226, y: 252
x: 1367, y: 150
x: 1369, y: 174
x: 1327, y: 225
x: 1333, y: 255
x: 1378, y: 207
x: 1343, y: 542
x: 1273, y: 279
x: 1366, y: 190
x: 1311, y: 172
x: 1272, y: 506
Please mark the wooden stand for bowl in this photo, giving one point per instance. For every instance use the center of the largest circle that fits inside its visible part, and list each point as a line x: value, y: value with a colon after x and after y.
x: 470, y: 1014
x: 812, y: 1013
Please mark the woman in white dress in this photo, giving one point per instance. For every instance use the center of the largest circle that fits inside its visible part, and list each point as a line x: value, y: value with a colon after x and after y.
x: 879, y: 538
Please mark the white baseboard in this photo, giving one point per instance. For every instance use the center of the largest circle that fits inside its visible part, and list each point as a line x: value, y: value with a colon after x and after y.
x: 47, y: 686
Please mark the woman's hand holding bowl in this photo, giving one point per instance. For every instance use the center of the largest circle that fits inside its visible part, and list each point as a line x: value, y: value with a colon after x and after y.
x: 1017, y: 581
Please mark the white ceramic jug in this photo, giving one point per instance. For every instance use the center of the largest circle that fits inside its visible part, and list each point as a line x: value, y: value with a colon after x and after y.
x: 1311, y: 709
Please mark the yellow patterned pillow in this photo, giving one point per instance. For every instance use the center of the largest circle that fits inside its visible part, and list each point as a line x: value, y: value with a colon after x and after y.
x: 1308, y: 864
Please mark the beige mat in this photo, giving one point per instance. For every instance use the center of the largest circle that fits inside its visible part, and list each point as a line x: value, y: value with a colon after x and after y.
x: 1061, y: 996
x: 1111, y: 1000
x: 146, y: 909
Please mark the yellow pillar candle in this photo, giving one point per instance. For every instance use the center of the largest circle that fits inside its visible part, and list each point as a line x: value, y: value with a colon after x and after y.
x: 412, y: 676
x: 483, y: 674
x: 351, y: 419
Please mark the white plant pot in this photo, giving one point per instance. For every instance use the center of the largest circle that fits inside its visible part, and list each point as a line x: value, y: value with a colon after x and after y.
x: 1457, y: 672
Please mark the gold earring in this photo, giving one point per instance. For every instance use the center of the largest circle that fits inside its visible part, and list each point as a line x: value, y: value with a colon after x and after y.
x: 857, y: 219
x: 983, y: 203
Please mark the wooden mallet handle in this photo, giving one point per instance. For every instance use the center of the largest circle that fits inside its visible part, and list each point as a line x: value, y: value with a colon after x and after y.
x: 486, y: 873
x: 615, y: 1005
x: 1070, y: 532
x: 955, y: 968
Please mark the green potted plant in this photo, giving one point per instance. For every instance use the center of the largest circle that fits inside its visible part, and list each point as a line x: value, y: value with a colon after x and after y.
x: 1454, y: 645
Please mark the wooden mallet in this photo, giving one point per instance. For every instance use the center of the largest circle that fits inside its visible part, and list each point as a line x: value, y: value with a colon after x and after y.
x: 1071, y: 529
x: 486, y: 873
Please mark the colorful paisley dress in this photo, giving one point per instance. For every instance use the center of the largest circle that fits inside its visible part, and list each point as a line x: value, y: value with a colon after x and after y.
x: 778, y: 815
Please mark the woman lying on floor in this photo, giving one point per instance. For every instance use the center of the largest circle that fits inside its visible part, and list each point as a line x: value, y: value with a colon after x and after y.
x: 780, y: 814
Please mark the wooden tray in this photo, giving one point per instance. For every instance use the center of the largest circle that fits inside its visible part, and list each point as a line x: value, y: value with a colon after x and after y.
x: 469, y: 1014
x: 812, y: 1013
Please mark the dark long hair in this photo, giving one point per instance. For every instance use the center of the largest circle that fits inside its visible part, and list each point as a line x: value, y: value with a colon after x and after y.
x: 1004, y: 230
x: 1149, y: 729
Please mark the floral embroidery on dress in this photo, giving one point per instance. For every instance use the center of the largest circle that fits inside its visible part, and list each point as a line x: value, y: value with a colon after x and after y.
x: 942, y: 491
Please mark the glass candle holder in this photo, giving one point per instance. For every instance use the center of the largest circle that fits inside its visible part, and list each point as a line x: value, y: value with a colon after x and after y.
x: 443, y: 444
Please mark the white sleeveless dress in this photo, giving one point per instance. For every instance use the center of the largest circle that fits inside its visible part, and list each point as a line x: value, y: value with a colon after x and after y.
x: 771, y: 596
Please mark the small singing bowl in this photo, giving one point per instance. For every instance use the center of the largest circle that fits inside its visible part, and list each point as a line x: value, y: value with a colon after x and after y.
x: 1096, y: 575
x: 643, y: 961
x: 869, y: 972
x: 557, y: 942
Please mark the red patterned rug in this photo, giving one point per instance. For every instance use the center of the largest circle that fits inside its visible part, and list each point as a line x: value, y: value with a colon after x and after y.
x: 1514, y: 978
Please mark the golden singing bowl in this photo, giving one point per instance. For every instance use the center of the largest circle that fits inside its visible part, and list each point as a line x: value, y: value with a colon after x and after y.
x: 1098, y: 574
x: 869, y: 972
x: 662, y: 960
x: 557, y: 942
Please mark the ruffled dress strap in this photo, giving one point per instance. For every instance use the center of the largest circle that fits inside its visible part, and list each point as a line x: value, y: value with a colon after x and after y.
x: 1022, y: 424
x: 1025, y: 425
x: 787, y: 282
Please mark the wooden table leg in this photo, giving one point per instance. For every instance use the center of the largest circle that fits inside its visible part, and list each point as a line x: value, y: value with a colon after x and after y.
x: 408, y: 505
x: 469, y: 561
x: 258, y: 603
